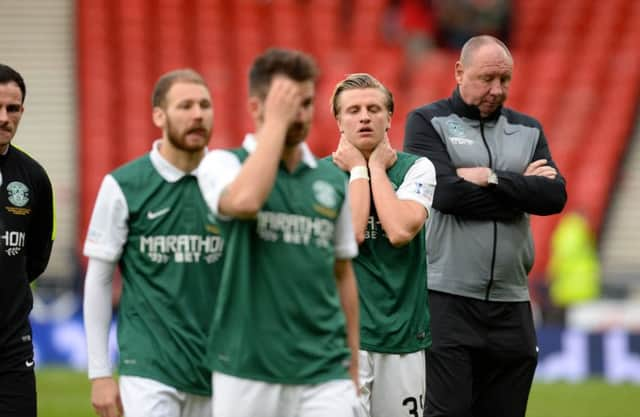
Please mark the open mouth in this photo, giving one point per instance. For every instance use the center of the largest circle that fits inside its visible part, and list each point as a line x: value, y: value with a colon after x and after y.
x: 365, y: 129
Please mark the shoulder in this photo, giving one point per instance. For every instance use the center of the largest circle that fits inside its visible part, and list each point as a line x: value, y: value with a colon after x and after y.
x: 133, y: 168
x: 327, y: 167
x: 27, y: 161
x: 437, y: 108
x: 515, y: 117
x: 134, y: 175
x: 407, y: 161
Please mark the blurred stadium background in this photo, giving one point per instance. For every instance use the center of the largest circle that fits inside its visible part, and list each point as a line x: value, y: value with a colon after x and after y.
x: 90, y: 66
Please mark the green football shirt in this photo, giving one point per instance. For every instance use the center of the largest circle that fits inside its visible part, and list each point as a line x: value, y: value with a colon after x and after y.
x: 392, y: 281
x: 278, y: 315
x: 170, y: 262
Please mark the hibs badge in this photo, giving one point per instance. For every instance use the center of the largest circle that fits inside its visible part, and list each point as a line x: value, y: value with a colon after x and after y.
x: 18, y: 193
x: 325, y: 194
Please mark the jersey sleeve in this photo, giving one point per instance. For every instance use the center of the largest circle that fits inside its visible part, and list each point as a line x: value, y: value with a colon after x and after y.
x: 345, y: 243
x: 419, y: 183
x: 216, y: 171
x: 97, y: 315
x: 42, y: 231
x: 108, y: 227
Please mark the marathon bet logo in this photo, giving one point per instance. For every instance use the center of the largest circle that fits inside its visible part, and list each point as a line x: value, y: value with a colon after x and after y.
x: 182, y: 248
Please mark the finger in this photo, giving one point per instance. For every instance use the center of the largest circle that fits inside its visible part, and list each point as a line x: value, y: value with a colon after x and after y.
x: 120, y: 406
x: 536, y: 164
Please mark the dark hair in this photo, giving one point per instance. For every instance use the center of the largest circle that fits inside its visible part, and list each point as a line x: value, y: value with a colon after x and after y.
x: 165, y: 82
x: 276, y: 61
x: 8, y: 74
x: 359, y: 81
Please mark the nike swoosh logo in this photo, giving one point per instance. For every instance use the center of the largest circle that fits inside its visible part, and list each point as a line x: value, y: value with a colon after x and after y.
x: 155, y: 214
x: 28, y: 364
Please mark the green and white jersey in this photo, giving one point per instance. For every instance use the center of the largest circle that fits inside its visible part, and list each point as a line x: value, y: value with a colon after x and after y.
x: 278, y: 315
x: 392, y: 281
x: 151, y: 218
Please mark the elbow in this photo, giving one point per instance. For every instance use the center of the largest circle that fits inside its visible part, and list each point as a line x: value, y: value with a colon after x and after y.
x: 360, y: 237
x: 555, y: 203
x: 243, y: 207
x: 445, y: 203
x: 399, y: 238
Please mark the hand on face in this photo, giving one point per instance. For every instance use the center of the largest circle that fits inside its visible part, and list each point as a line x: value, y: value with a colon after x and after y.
x: 347, y: 156
x: 383, y: 156
x: 283, y: 101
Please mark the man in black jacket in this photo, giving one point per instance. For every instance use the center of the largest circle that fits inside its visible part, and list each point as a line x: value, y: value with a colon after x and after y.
x: 494, y: 169
x: 26, y: 237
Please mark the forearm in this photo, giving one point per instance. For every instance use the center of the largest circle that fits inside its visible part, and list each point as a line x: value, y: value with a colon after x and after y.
x: 400, y: 219
x: 348, y: 292
x: 360, y: 200
x: 97, y: 315
x: 247, y: 193
x: 532, y: 194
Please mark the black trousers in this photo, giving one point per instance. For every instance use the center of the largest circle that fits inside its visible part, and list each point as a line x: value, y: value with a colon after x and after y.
x: 482, y: 359
x: 18, y: 393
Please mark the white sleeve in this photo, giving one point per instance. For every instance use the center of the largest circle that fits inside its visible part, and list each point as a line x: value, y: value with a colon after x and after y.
x: 97, y: 315
x: 419, y: 183
x: 345, y: 239
x: 217, y: 170
x: 108, y: 228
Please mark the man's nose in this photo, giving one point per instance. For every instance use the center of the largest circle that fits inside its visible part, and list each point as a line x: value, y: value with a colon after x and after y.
x: 496, y: 87
x: 3, y: 115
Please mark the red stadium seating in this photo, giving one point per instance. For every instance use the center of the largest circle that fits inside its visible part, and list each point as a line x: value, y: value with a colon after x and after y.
x: 577, y: 69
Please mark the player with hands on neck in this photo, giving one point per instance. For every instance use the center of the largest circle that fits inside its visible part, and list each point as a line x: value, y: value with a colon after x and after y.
x: 390, y: 194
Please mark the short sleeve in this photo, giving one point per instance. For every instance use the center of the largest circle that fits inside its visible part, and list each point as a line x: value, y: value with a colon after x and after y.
x: 217, y: 170
x: 419, y: 183
x: 108, y: 227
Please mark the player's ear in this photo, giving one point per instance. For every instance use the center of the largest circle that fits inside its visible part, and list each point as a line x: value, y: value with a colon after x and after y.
x: 159, y: 117
x: 255, y: 105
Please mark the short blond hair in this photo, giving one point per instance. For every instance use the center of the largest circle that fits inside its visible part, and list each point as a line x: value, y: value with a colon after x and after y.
x: 359, y: 81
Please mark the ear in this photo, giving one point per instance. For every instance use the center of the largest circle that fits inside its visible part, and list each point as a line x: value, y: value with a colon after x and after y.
x: 159, y: 117
x: 459, y: 72
x: 339, y: 123
x: 254, y: 105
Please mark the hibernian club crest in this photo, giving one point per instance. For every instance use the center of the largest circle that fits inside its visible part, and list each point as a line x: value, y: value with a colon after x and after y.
x: 18, y: 193
x: 325, y: 194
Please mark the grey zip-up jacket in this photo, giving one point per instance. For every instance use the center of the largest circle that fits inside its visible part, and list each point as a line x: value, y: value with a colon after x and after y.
x: 479, y: 241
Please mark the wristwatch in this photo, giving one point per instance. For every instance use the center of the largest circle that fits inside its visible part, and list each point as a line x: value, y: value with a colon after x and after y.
x: 492, y: 180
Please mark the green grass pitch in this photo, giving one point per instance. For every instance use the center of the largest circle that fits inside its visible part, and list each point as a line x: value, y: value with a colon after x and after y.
x: 64, y: 393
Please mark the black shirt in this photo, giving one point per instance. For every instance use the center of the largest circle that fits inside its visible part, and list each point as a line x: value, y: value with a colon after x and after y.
x: 27, y: 230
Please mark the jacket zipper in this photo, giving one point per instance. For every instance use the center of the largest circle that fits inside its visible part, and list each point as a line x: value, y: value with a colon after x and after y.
x: 495, y: 225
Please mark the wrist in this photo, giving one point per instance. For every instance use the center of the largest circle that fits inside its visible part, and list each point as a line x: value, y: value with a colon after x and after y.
x: 359, y: 172
x: 492, y: 178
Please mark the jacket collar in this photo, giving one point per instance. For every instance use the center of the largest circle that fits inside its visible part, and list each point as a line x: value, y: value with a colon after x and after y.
x: 469, y: 111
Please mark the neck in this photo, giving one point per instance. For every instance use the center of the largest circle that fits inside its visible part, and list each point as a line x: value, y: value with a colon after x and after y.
x: 291, y: 156
x: 4, y: 149
x: 183, y: 160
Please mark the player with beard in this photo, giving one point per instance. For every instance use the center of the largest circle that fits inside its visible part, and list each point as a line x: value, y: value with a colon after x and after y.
x: 285, y: 328
x: 151, y: 220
